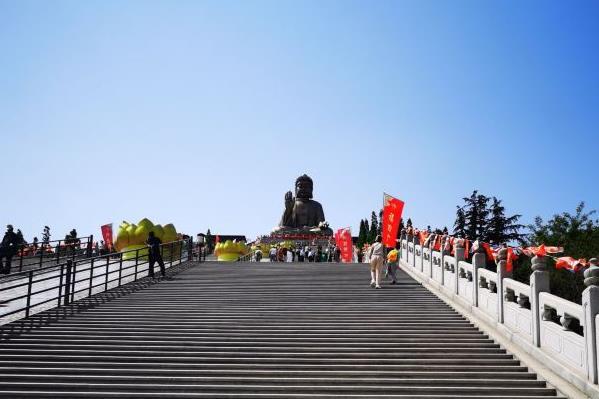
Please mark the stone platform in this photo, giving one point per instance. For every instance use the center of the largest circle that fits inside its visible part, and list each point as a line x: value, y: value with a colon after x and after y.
x: 261, y: 330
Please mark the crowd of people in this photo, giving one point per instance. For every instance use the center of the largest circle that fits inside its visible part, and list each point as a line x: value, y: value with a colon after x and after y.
x: 303, y: 254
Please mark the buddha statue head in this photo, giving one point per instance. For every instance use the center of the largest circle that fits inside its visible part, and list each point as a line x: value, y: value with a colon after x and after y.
x: 304, y: 187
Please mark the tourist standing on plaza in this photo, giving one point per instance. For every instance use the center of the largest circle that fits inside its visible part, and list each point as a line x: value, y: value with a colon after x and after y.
x: 8, y: 248
x: 377, y: 260
x: 154, y: 256
x: 272, y: 254
x: 300, y: 255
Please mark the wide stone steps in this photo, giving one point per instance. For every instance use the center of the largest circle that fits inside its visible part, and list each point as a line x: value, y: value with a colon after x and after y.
x: 261, y: 331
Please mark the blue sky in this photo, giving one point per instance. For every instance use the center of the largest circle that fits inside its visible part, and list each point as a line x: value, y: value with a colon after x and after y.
x: 203, y: 113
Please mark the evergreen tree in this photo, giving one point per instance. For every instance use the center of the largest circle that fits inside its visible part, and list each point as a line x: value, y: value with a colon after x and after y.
x: 409, y: 222
x: 374, y: 228
x: 502, y: 229
x: 363, y: 235
x: 459, y: 227
x: 380, y: 229
x: 476, y: 214
x: 445, y: 230
x: 367, y: 230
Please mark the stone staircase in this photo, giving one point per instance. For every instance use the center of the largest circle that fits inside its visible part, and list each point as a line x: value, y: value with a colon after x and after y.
x: 248, y: 330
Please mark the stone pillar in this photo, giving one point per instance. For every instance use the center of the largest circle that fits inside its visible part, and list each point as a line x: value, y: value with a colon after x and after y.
x: 414, y: 241
x: 479, y: 260
x: 590, y: 308
x: 501, y: 274
x: 539, y: 282
x: 443, y: 253
x: 402, y: 252
x: 460, y: 255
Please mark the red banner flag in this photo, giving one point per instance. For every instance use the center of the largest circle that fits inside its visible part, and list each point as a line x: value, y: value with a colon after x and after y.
x: 107, y: 235
x: 570, y: 264
x: 392, y: 210
x: 344, y: 243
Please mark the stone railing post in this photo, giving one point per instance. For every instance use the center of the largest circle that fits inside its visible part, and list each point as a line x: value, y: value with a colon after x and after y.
x: 430, y: 246
x: 539, y: 282
x: 501, y: 274
x: 590, y: 308
x: 415, y: 241
x: 443, y: 254
x: 459, y: 256
x: 479, y: 260
x: 402, y: 252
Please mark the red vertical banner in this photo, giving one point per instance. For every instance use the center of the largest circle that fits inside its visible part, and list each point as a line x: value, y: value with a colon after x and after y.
x: 392, y: 210
x: 107, y: 235
x: 344, y: 243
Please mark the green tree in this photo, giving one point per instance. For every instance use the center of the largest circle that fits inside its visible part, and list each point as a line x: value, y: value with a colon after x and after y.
x: 476, y: 214
x: 578, y: 233
x: 374, y: 227
x: 409, y: 223
x: 363, y: 234
x: 459, y: 227
x: 500, y: 228
x: 380, y: 227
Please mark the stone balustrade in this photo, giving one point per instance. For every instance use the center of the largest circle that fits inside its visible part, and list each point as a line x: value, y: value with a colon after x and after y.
x: 561, y: 334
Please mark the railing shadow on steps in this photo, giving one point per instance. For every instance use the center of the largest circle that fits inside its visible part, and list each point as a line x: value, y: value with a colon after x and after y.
x: 562, y: 335
x: 25, y: 293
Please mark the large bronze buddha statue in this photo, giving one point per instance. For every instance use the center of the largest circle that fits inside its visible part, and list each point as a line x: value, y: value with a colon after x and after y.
x: 302, y: 212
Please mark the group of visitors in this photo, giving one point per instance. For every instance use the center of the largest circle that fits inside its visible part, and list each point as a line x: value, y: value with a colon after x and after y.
x: 303, y: 254
x: 378, y: 256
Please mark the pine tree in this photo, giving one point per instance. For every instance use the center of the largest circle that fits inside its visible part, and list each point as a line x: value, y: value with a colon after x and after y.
x: 380, y: 229
x: 502, y: 229
x: 363, y: 235
x: 476, y: 214
x: 367, y: 230
x: 459, y: 227
x: 374, y: 228
x: 409, y: 222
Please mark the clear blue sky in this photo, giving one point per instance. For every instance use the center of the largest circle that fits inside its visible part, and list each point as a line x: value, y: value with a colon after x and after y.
x: 203, y: 113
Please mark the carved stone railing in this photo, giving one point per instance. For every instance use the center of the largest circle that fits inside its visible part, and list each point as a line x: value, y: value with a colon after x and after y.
x: 466, y: 283
x: 427, y: 262
x: 487, y: 293
x: 450, y: 274
x: 562, y: 335
x: 559, y: 333
x: 516, y: 308
x: 437, y: 274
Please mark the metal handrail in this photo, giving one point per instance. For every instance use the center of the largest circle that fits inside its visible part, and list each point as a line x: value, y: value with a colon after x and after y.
x: 47, y: 253
x: 79, y: 278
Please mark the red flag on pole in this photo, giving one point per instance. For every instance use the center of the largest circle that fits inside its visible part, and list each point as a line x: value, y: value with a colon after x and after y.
x: 107, y: 235
x: 392, y: 210
x: 344, y: 243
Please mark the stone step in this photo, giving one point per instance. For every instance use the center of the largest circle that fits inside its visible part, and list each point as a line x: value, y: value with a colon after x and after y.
x: 417, y: 389
x: 269, y: 358
x: 514, y: 367
x: 258, y: 370
x: 260, y: 331
x: 261, y: 395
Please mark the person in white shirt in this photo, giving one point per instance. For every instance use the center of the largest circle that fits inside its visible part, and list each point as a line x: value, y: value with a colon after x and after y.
x: 377, y: 260
x: 273, y: 254
x: 289, y: 256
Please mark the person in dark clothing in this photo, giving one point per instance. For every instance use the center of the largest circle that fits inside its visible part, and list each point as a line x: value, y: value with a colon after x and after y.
x: 8, y: 248
x: 154, y: 254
